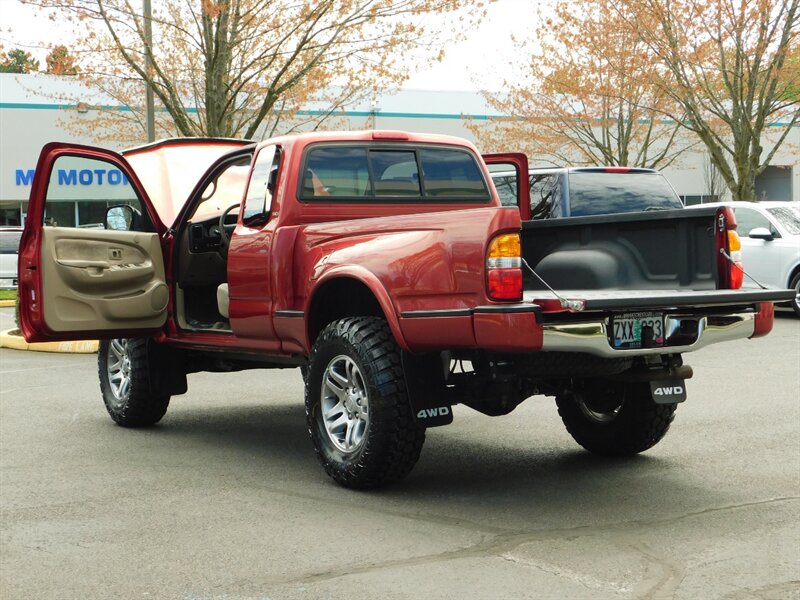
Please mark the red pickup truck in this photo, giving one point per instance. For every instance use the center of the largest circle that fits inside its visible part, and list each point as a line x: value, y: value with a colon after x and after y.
x: 384, y: 266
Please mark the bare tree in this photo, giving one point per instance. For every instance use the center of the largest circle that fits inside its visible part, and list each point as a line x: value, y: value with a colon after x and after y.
x: 585, y: 96
x: 224, y: 68
x: 725, y: 68
x: 715, y: 183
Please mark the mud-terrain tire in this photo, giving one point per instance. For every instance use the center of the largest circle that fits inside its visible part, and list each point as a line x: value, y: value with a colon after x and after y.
x: 795, y: 285
x: 125, y: 370
x: 357, y: 408
x: 615, y: 419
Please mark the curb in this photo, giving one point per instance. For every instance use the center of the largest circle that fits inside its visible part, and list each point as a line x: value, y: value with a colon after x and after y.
x: 17, y: 342
x: 7, y: 303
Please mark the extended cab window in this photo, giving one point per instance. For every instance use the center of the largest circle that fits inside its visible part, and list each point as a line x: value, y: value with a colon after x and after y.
x: 506, y: 186
x: 363, y: 173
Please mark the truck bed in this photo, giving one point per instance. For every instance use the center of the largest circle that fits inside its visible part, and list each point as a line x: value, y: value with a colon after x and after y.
x: 657, y: 250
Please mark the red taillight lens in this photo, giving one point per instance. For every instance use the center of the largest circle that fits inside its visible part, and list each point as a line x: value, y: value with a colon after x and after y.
x: 737, y: 275
x: 504, y: 268
x: 737, y: 268
x: 729, y: 256
x: 505, y: 284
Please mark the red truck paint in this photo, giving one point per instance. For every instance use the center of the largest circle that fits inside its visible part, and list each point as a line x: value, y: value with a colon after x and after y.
x: 395, y: 290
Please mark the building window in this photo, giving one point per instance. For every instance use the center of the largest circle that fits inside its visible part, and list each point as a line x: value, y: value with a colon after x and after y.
x: 11, y: 213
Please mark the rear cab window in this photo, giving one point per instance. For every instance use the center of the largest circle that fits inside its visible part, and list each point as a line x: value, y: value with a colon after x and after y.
x: 400, y: 173
x: 600, y: 193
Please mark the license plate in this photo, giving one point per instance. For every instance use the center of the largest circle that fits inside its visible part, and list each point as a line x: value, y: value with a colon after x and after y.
x: 637, y: 330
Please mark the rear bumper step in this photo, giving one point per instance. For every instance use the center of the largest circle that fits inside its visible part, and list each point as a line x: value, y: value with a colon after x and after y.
x: 592, y: 336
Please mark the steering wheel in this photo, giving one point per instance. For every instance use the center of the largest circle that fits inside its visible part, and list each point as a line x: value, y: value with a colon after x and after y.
x: 224, y: 238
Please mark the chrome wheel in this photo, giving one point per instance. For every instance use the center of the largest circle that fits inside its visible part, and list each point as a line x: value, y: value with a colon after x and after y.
x: 119, y: 371
x: 345, y: 404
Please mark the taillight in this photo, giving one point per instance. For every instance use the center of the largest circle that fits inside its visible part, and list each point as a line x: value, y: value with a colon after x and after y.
x: 729, y: 251
x: 504, y: 268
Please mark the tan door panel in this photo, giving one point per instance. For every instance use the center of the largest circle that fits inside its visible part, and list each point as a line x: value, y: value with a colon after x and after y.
x: 94, y: 279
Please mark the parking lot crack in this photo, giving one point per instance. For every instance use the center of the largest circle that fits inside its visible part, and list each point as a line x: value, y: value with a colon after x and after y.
x: 587, y: 581
x: 502, y: 545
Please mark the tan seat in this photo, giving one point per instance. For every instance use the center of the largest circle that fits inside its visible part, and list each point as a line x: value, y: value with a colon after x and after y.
x: 222, y: 299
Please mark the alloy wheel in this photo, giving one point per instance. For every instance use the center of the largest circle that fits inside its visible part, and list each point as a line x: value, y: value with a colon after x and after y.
x: 119, y: 371
x: 345, y: 404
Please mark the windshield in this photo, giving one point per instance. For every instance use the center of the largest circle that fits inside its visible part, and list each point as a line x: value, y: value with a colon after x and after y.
x: 600, y: 193
x: 789, y: 217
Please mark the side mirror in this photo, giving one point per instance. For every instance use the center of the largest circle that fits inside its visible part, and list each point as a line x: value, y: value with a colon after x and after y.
x: 761, y: 233
x: 120, y: 218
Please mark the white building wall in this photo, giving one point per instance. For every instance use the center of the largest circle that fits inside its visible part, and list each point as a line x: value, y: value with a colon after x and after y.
x: 30, y: 117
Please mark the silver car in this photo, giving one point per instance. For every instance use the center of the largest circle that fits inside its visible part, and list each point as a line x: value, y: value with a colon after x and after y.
x: 9, y: 254
x: 770, y: 234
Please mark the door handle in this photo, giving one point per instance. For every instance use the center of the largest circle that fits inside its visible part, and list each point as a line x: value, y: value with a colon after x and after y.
x: 84, y: 264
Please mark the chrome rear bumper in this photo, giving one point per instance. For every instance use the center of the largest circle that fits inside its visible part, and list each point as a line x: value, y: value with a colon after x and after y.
x: 684, y: 333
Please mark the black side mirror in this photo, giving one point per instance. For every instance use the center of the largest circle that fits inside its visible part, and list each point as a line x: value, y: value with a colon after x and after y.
x: 122, y: 217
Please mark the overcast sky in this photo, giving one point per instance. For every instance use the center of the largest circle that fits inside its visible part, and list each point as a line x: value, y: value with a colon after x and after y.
x: 482, y: 61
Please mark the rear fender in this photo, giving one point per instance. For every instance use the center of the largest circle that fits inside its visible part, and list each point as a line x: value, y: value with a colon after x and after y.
x: 373, y: 284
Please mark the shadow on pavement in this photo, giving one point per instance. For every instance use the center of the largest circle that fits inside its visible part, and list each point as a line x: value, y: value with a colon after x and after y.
x: 466, y: 476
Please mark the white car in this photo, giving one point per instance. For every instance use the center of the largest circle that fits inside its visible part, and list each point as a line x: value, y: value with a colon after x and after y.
x: 770, y: 234
x: 9, y: 254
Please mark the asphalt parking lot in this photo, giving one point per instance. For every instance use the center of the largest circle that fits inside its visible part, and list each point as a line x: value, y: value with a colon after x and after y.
x: 224, y: 499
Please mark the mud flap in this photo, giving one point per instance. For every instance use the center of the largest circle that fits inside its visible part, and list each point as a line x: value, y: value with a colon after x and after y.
x: 167, y: 372
x: 668, y: 392
x: 427, y: 392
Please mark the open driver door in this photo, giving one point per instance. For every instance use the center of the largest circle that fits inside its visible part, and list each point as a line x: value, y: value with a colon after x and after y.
x: 91, y: 263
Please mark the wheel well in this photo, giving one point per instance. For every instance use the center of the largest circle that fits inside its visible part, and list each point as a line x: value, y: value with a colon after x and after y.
x: 340, y: 298
x: 793, y: 274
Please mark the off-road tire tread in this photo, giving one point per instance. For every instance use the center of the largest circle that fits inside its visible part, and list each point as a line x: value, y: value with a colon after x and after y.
x: 395, y: 440
x: 639, y: 426
x: 142, y: 408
